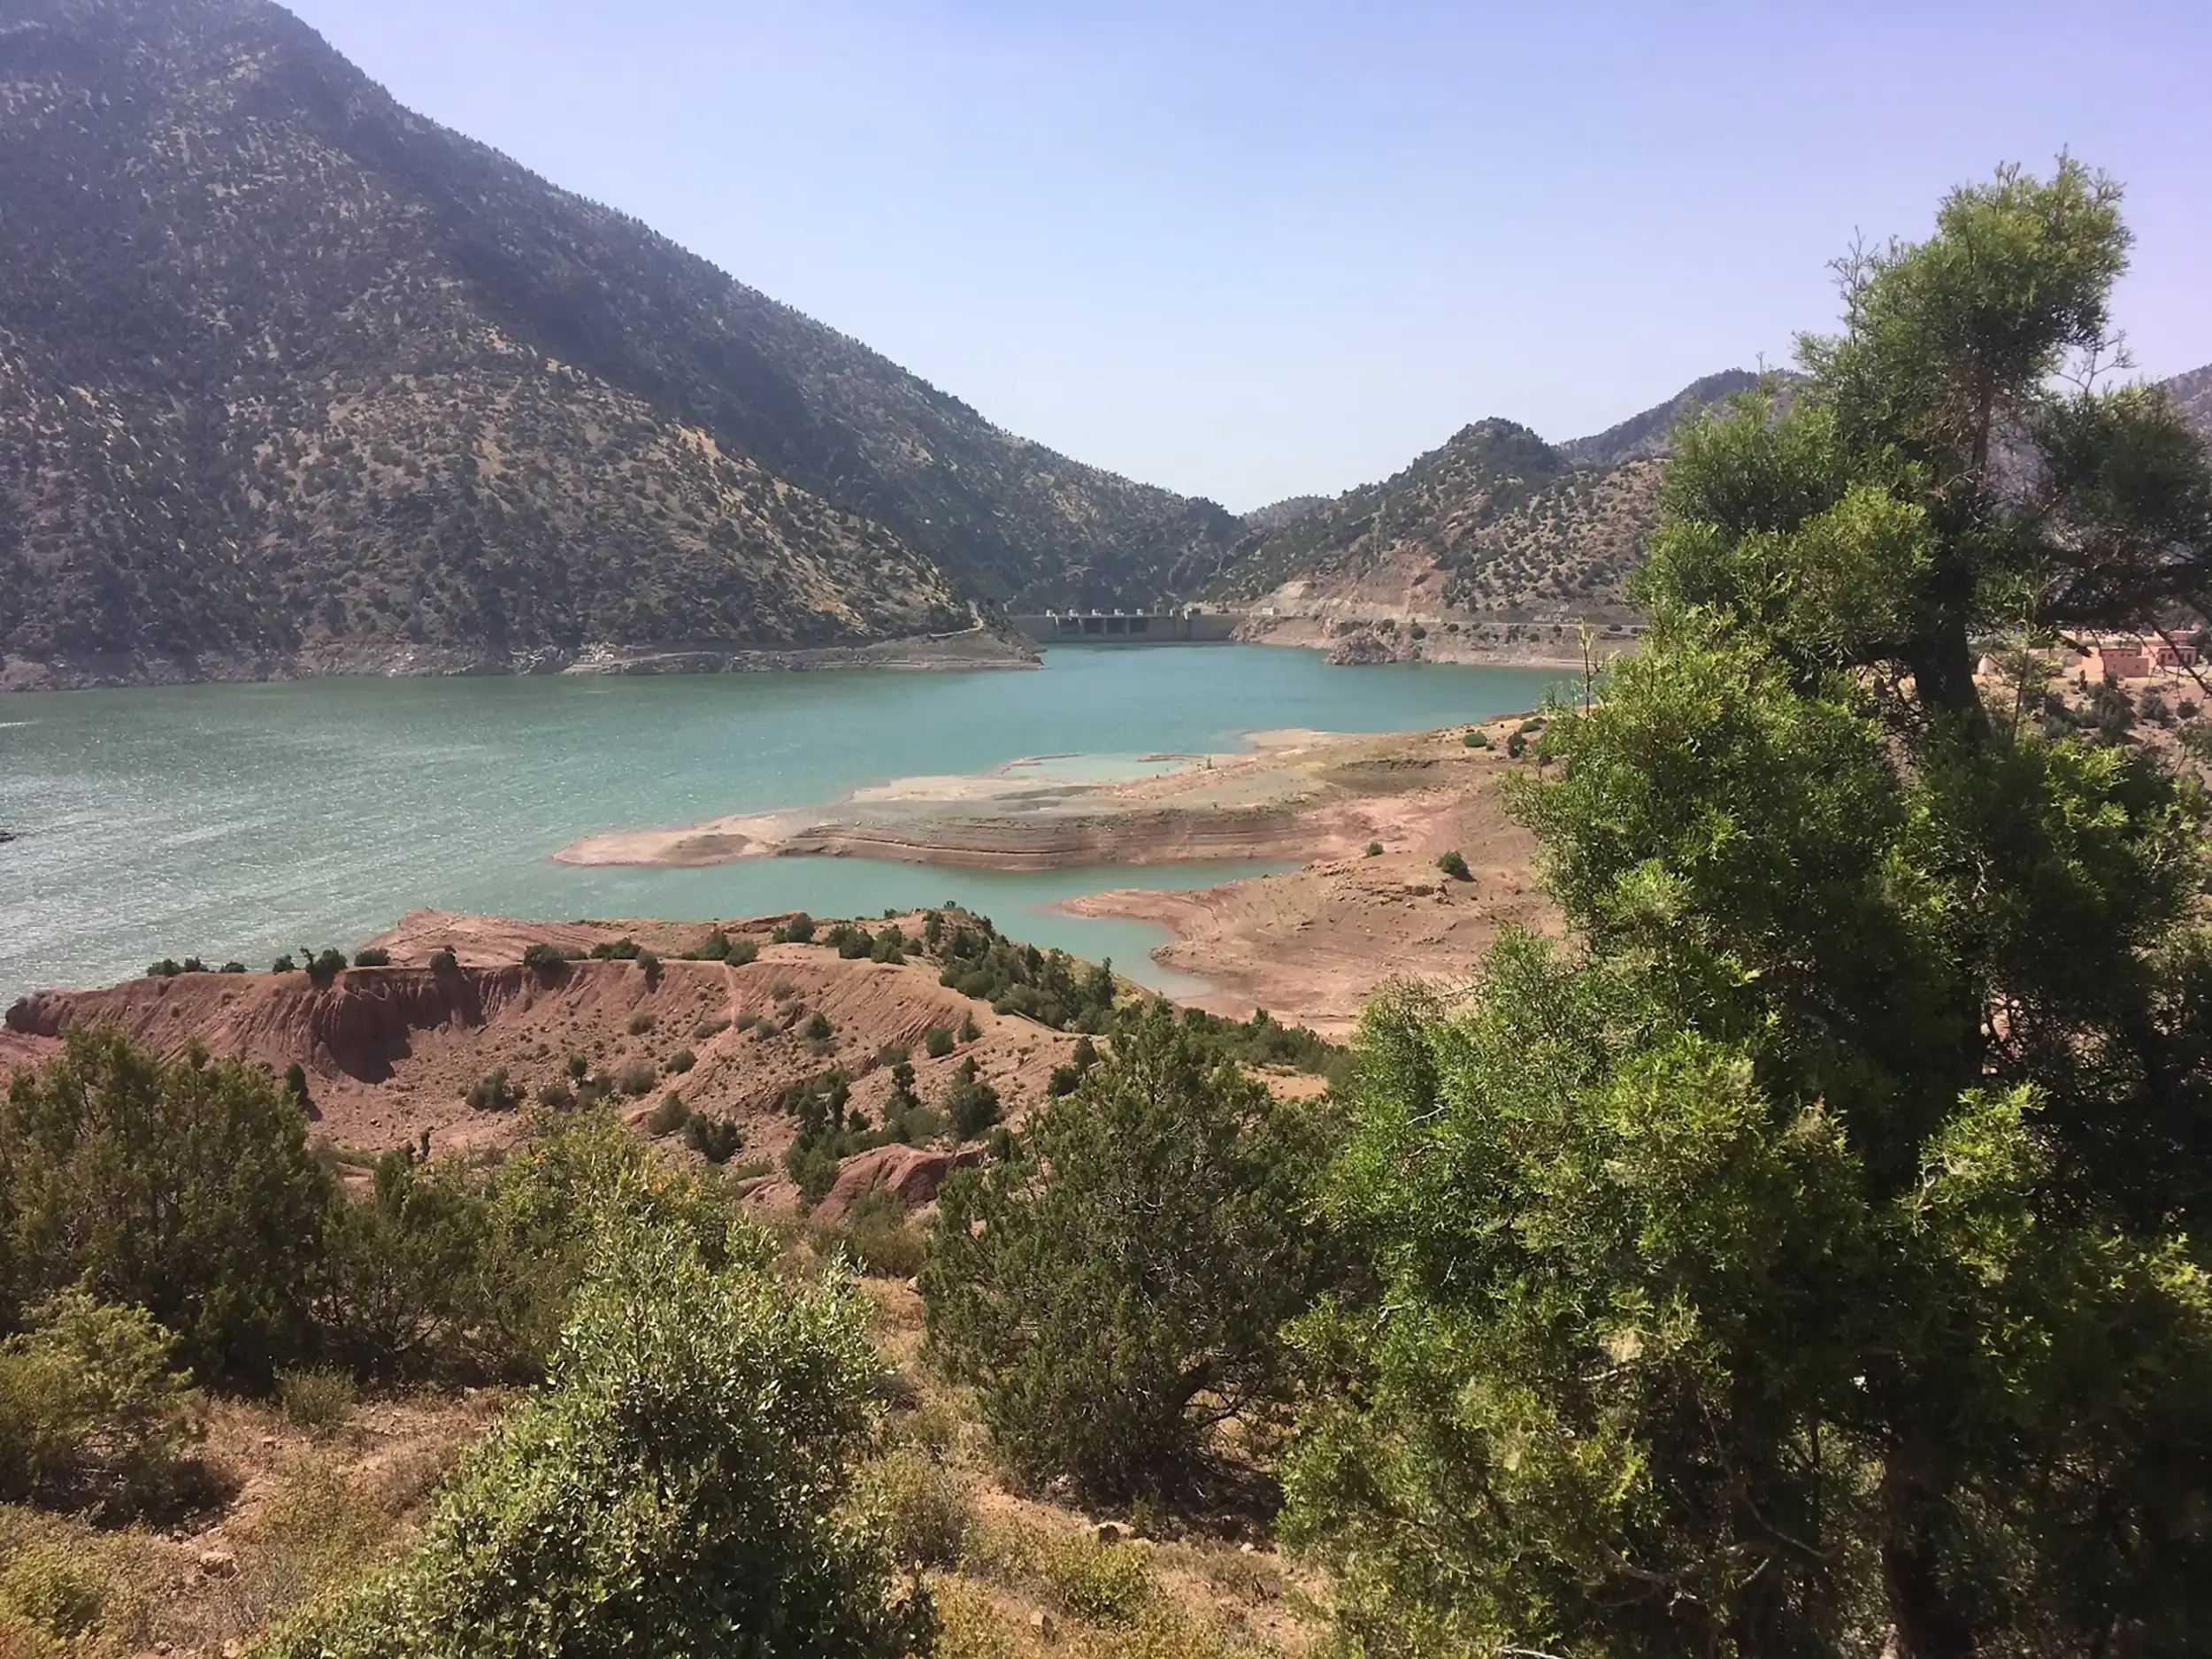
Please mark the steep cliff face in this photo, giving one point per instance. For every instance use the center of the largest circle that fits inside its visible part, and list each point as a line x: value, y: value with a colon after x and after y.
x: 285, y: 369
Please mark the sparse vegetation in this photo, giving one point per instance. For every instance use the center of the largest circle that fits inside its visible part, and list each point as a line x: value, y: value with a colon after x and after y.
x: 1454, y: 863
x: 493, y: 1092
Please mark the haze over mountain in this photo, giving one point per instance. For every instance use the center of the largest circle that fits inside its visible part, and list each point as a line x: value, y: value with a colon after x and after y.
x: 291, y: 373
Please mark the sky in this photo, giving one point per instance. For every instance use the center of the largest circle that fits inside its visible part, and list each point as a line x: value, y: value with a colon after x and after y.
x: 1251, y: 248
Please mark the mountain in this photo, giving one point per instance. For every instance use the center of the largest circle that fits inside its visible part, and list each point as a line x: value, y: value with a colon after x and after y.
x: 1651, y: 434
x: 1495, y: 522
x: 2193, y: 392
x: 286, y: 372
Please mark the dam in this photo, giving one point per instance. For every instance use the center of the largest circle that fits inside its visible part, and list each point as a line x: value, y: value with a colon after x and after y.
x: 1128, y: 628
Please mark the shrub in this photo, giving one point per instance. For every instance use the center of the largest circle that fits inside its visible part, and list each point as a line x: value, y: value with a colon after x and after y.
x: 234, y: 967
x: 717, y: 1140
x: 193, y: 964
x: 319, y: 1399
x: 91, y: 1415
x: 542, y: 958
x: 50, y: 1593
x: 1108, y: 1584
x: 210, y: 1208
x: 167, y: 968
x: 1517, y: 745
x: 1454, y: 863
x: 373, y: 957
x: 296, y: 1085
x: 557, y: 1096
x: 667, y: 1117
x: 679, y: 1488
x: 443, y: 961
x: 493, y: 1093
x: 798, y: 931
x: 1106, y: 1340
x: 890, y: 945
x: 324, y: 967
x: 709, y: 1028
x: 623, y: 949
x: 928, y: 1510
x: 1374, y: 849
x: 679, y: 1062
x: 968, y: 1030
x: 937, y: 1042
x: 818, y: 1028
x: 640, y: 1022
x: 970, y: 1105
x: 812, y: 1168
x: 284, y: 964
x: 636, y: 1077
x: 880, y: 1239
x: 1476, y: 739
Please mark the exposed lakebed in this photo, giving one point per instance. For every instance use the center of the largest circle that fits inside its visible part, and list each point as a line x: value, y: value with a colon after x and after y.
x: 238, y: 821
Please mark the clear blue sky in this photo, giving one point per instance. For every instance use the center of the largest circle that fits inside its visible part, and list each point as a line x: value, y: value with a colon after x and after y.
x: 1248, y: 250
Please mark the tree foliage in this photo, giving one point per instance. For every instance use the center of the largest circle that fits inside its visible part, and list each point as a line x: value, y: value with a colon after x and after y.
x: 185, y: 1187
x: 679, y: 1488
x: 1805, y: 1261
x: 1114, y: 1289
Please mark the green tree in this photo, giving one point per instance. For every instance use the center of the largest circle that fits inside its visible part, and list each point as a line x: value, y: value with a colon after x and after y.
x: 1114, y: 1288
x: 91, y: 1413
x: 1804, y: 1260
x: 185, y: 1187
x: 679, y: 1488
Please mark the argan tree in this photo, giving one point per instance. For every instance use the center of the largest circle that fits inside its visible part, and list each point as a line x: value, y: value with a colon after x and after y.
x: 1808, y: 1257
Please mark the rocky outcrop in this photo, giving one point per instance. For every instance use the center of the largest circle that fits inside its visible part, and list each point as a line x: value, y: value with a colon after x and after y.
x: 910, y: 1174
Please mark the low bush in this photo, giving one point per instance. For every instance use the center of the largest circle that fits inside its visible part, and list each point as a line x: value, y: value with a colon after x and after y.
x: 928, y: 1510
x: 1107, y: 1584
x: 320, y: 1399
x: 443, y: 961
x: 53, y: 1601
x: 91, y: 1413
x: 707, y: 1029
x: 557, y: 1096
x: 323, y: 967
x: 1454, y: 863
x: 679, y: 1063
x: 1374, y: 849
x: 667, y: 1117
x: 542, y: 958
x: 642, y: 1022
x: 937, y: 1042
x: 284, y: 964
x: 717, y: 1140
x: 818, y: 1028
x: 880, y: 1239
x: 623, y: 949
x: 681, y: 1488
x: 167, y: 968
x: 493, y: 1092
x: 1517, y: 745
x: 798, y: 931
x: 968, y: 1030
x: 1476, y: 739
x: 234, y: 967
x: 636, y: 1077
x: 375, y: 956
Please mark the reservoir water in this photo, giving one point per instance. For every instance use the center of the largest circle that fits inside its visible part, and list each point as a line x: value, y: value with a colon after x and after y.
x: 240, y: 821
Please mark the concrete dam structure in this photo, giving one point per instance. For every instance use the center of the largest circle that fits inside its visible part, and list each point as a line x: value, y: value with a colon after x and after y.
x: 1126, y: 627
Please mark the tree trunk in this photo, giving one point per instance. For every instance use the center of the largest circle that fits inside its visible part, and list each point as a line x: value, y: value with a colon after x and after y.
x: 1930, y: 1623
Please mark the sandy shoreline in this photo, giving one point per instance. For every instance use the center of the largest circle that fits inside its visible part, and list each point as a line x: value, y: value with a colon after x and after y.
x: 1311, y: 945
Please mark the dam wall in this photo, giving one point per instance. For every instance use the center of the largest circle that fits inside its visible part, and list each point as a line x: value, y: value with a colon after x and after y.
x: 1132, y: 628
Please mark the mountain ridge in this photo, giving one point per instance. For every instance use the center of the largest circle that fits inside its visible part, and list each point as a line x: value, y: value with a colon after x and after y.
x: 293, y: 375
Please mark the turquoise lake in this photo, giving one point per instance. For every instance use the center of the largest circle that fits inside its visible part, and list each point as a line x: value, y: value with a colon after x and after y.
x: 240, y: 821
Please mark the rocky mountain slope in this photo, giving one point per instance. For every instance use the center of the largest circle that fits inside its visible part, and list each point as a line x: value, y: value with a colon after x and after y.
x: 1496, y: 523
x: 290, y: 376
x: 1496, y: 530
